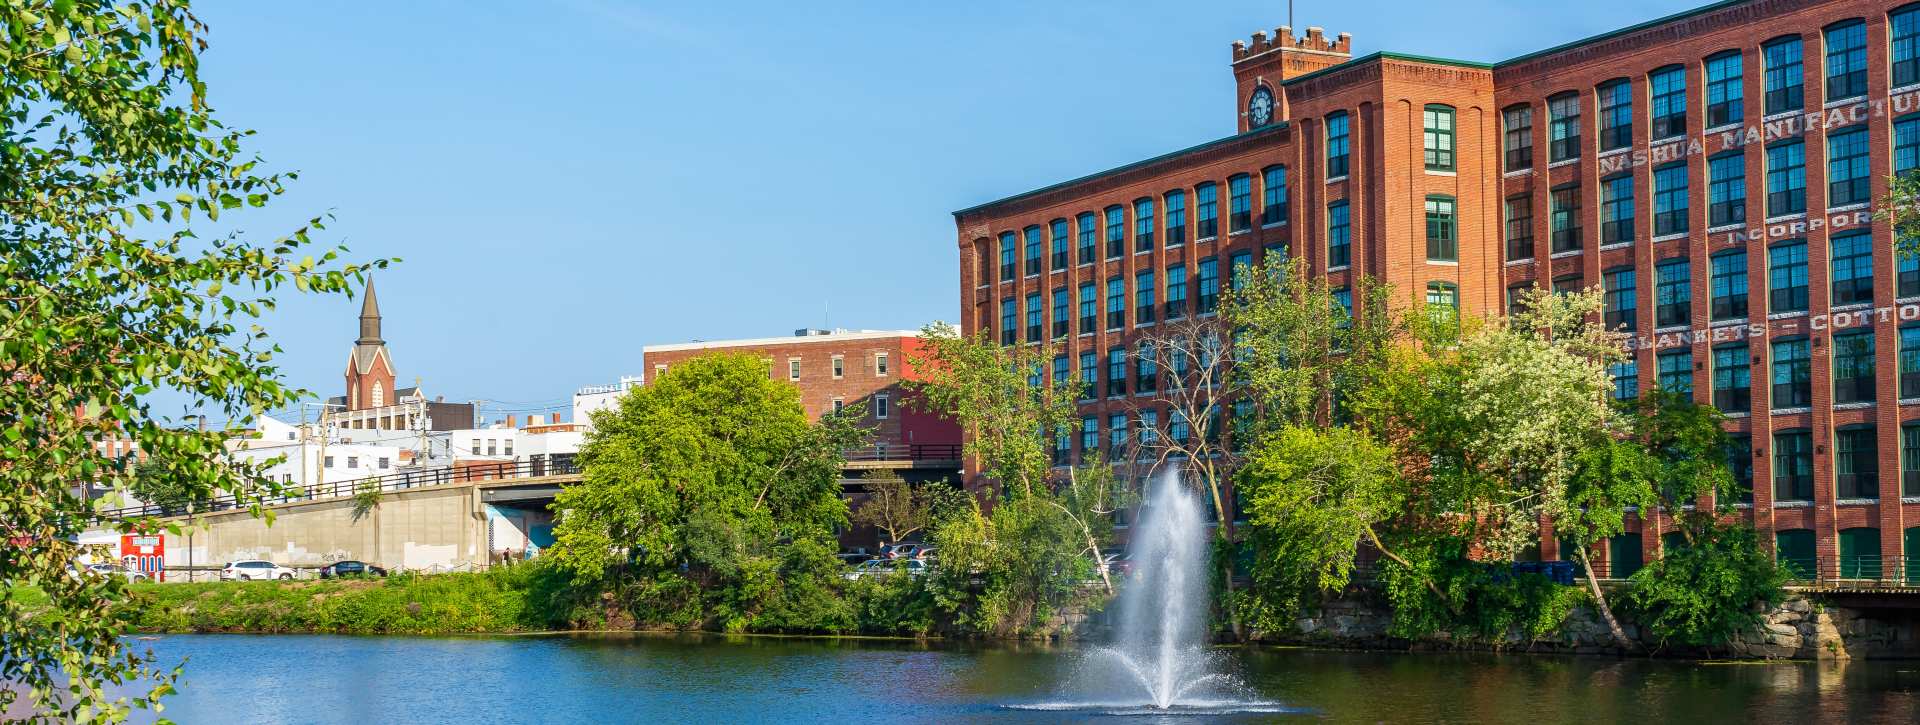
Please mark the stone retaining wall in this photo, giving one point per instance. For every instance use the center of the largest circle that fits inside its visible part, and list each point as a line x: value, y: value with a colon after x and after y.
x: 1797, y: 629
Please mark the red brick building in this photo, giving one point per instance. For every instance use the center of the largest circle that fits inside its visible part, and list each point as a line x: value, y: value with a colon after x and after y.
x: 864, y: 370
x: 1715, y: 172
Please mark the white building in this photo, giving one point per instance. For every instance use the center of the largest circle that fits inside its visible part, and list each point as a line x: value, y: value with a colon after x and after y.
x: 301, y: 456
x: 588, y: 399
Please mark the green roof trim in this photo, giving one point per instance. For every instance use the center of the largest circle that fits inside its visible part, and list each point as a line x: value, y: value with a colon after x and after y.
x: 1682, y: 15
x: 1127, y: 167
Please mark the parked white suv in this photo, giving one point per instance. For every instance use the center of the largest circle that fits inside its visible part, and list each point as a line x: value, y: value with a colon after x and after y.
x: 252, y: 569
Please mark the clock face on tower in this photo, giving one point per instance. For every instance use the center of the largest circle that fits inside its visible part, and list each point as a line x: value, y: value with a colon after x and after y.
x: 1260, y: 107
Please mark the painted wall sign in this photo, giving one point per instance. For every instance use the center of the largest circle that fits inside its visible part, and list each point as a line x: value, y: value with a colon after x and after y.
x: 1797, y: 325
x: 1800, y: 227
x: 1767, y: 131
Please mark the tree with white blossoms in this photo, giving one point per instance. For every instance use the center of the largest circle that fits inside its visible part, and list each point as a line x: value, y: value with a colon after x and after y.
x: 1534, y: 396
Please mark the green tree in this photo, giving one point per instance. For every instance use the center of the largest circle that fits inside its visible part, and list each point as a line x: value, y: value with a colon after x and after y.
x: 1313, y: 498
x: 995, y: 395
x: 1041, y: 537
x: 1702, y: 594
x: 120, y: 285
x: 705, y: 495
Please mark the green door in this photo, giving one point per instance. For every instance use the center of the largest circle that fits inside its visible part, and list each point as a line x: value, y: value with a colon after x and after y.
x: 1794, y: 548
x: 1912, y: 546
x: 1860, y: 553
x: 1623, y: 555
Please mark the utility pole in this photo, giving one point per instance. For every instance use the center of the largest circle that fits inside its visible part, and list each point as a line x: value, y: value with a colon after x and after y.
x: 320, y: 477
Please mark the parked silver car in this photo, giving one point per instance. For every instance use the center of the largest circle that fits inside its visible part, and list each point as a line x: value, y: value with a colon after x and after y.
x: 252, y: 569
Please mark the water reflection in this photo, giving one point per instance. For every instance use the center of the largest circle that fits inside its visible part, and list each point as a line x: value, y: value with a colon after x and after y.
x: 743, y: 680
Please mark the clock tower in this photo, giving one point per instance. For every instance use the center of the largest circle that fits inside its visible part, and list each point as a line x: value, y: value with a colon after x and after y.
x: 1261, y: 67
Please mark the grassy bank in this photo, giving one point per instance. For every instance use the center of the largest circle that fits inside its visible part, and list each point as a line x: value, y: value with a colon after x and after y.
x: 501, y: 600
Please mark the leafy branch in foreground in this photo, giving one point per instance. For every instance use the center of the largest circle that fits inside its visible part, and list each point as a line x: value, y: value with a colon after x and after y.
x: 111, y: 166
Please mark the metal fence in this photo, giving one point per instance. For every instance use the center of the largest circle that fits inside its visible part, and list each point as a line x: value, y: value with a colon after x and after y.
x: 911, y: 452
x: 1862, y: 571
x: 397, y: 481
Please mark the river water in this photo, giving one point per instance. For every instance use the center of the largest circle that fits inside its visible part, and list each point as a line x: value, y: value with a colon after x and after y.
x: 714, y: 680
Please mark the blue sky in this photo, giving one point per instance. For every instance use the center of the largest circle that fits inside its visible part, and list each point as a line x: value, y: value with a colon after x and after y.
x: 569, y: 180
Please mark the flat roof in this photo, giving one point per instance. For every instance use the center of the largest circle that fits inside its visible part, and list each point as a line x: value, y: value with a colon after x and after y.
x: 1355, y: 62
x: 842, y: 336
x: 1126, y: 167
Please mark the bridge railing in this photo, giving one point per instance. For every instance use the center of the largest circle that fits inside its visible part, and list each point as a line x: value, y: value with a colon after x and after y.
x: 1860, y: 571
x: 911, y: 452
x: 397, y: 481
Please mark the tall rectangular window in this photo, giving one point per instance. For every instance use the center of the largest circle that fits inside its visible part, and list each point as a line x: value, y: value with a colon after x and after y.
x: 1724, y: 92
x: 1116, y: 304
x: 1143, y: 302
x: 1176, y: 292
x: 1792, y: 374
x: 1616, y: 115
x: 1239, y: 265
x: 1726, y: 190
x: 1009, y: 255
x: 1565, y: 218
x: 1848, y: 179
x: 1906, y: 275
x: 1088, y: 249
x: 1437, y: 137
x: 1785, y: 80
x: 1563, y: 127
x: 1616, y: 210
x: 1117, y: 436
x: 1852, y: 268
x: 1906, y: 144
x: 1176, y: 218
x: 1273, y: 204
x: 1621, y: 303
x: 1036, y: 251
x: 1846, y: 60
x: 1089, y: 437
x: 1729, y: 285
x: 1089, y: 309
x: 1143, y: 225
x: 1061, y: 313
x: 1910, y: 460
x: 1336, y: 145
x: 1732, y: 382
x: 1909, y: 362
x: 1673, y: 294
x: 1117, y: 372
x: 1207, y: 281
x: 1853, y: 367
x: 1443, y: 304
x: 1116, y: 231
x: 1626, y: 379
x: 1089, y: 375
x: 1787, y: 277
x: 1062, y: 243
x: 1856, y: 462
x: 1793, y: 466
x: 1670, y: 210
x: 1740, y: 464
x: 1517, y: 137
x: 1442, y: 242
x: 1667, y: 89
x: 1903, y: 31
x: 1519, y: 227
x: 1339, y: 240
x: 1060, y: 370
x: 1009, y: 330
x: 1207, y: 210
x: 1036, y: 313
x: 1676, y: 371
x: 1148, y: 369
x: 1239, y: 203
x: 1786, y: 178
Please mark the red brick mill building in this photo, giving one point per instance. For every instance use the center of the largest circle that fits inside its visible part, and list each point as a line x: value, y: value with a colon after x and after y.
x: 1715, y: 172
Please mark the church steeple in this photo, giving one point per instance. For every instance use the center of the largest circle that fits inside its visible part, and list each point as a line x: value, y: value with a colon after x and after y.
x: 370, y: 318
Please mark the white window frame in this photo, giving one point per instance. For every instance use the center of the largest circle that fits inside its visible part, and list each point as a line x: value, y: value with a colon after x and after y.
x: 882, y: 406
x: 793, y: 369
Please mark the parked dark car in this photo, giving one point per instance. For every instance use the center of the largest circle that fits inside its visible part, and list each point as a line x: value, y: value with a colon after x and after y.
x: 350, y: 568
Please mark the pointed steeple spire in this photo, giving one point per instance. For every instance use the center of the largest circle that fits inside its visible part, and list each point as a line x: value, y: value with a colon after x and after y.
x: 370, y: 318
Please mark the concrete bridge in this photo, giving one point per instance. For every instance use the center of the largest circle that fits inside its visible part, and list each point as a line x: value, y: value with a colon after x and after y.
x: 446, y: 519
